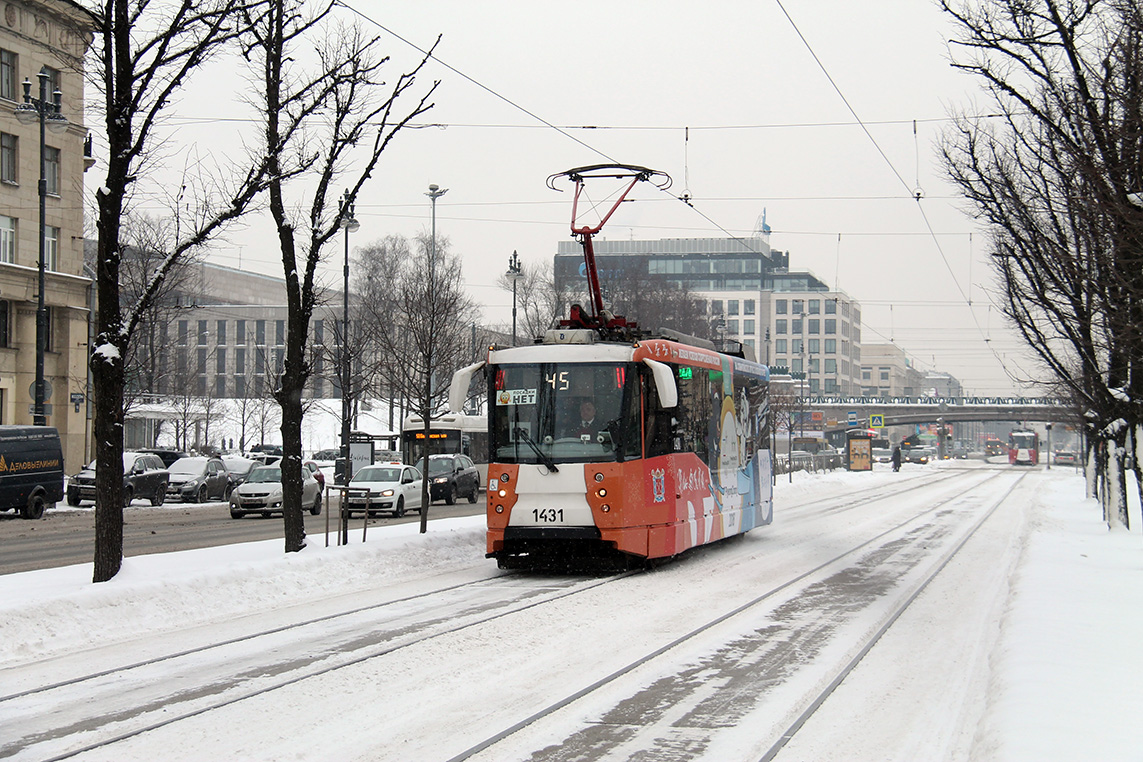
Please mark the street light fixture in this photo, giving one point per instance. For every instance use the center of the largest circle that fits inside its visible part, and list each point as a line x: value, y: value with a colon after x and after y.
x: 350, y: 225
x: 435, y: 192
x: 47, y: 112
x: 514, y: 274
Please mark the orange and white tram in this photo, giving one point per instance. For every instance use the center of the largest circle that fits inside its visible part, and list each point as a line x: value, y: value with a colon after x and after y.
x: 677, y: 454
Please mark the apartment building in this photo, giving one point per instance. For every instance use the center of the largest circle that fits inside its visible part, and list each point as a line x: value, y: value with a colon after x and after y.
x: 52, y: 37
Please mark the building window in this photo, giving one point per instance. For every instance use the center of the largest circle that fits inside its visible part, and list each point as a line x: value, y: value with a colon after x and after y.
x: 831, y: 306
x: 183, y: 333
x: 796, y: 365
x: 797, y: 306
x: 732, y: 307
x: 202, y: 333
x: 831, y: 326
x: 52, y: 170
x: 220, y: 361
x: 780, y: 346
x: 732, y: 327
x: 54, y: 81
x: 220, y: 386
x: 319, y: 332
x: 9, y: 158
x: 220, y: 333
x: 884, y: 374
x: 280, y: 332
x: 779, y: 306
x: 815, y: 346
x: 51, y: 248
x: 814, y: 365
x: 797, y: 346
x: 796, y: 326
x: 830, y: 365
x: 5, y: 323
x: 239, y: 333
x: 866, y: 374
x: 815, y: 306
x: 748, y: 307
x: 9, y: 87
x: 831, y: 346
x: 815, y: 325
x: 716, y: 307
x: 748, y: 327
x: 239, y: 362
x: 260, y: 333
x: 779, y: 326
x: 200, y: 366
x: 7, y: 239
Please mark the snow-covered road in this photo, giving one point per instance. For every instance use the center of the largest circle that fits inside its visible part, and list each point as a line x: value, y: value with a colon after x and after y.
x: 873, y: 611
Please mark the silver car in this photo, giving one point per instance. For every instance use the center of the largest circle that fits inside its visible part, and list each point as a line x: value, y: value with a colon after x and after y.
x: 262, y: 493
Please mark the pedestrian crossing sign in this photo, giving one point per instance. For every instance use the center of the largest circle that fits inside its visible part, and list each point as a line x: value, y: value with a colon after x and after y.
x: 876, y: 421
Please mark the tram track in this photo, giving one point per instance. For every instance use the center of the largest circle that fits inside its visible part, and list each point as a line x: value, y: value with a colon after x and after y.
x: 612, y: 728
x: 367, y: 636
x: 367, y: 639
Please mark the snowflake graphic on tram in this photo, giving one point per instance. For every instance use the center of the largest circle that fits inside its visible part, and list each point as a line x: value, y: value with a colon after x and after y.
x: 613, y: 444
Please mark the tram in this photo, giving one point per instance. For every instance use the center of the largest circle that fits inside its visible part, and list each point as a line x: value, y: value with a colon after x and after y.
x: 608, y: 443
x: 1023, y: 448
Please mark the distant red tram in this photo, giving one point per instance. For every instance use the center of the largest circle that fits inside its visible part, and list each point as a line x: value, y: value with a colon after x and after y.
x: 1023, y: 448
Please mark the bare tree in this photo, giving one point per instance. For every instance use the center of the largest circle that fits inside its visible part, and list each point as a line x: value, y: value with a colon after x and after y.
x: 145, y: 53
x: 1057, y: 178
x: 313, y: 124
x: 418, y: 312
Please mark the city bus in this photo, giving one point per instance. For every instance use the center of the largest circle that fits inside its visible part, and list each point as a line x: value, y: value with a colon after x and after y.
x: 451, y: 433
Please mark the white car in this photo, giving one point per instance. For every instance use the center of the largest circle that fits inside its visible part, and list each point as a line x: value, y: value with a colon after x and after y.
x: 391, y: 487
x: 262, y: 493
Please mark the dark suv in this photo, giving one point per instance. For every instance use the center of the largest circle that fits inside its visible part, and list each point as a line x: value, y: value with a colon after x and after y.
x: 452, y: 475
x: 144, y: 475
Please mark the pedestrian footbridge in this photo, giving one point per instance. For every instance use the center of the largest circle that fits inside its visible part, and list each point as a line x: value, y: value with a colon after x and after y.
x: 841, y: 412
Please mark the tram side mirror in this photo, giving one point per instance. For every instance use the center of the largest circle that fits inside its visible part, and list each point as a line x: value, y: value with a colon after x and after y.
x: 664, y: 382
x: 458, y: 389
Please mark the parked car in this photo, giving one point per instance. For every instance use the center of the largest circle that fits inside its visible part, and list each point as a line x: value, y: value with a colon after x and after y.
x: 1065, y: 458
x: 168, y: 456
x: 198, y: 479
x: 315, y: 469
x: 262, y: 493
x: 327, y: 457
x: 391, y: 487
x: 32, y: 477
x: 238, y: 468
x: 144, y: 475
x: 451, y: 475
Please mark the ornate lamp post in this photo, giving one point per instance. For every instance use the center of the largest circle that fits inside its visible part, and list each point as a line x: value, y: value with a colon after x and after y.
x: 350, y: 225
x: 514, y: 272
x: 47, y: 112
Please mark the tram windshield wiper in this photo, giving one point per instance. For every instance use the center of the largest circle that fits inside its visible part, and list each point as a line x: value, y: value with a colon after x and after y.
x: 545, y: 459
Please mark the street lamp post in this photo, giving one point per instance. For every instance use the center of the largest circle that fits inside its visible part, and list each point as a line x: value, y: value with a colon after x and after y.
x: 350, y: 225
x: 47, y: 112
x: 514, y: 274
x: 435, y: 192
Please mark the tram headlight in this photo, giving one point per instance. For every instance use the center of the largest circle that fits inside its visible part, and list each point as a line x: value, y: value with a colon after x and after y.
x: 503, y: 493
x: 601, y: 492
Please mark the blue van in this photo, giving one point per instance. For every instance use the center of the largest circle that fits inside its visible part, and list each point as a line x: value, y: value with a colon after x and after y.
x: 31, y: 469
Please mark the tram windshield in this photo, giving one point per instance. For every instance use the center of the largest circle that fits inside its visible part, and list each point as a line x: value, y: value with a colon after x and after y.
x: 1023, y: 440
x: 563, y: 412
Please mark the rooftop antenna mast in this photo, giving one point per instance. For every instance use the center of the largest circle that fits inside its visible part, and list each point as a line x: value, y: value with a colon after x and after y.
x: 600, y: 319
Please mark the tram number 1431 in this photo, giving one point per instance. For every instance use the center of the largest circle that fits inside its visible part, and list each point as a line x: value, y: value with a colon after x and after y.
x: 547, y: 515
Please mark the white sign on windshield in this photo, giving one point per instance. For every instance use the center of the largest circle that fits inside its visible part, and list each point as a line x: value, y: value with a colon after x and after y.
x: 516, y: 397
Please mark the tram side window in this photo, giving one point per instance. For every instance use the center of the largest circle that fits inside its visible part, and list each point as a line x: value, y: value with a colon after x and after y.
x: 659, y: 434
x: 695, y: 413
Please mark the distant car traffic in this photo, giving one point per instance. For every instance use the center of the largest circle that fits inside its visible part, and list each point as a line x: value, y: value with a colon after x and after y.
x: 262, y: 493
x: 197, y: 479
x: 451, y: 475
x: 144, y: 475
x: 392, y: 488
x: 920, y: 455
x: 1065, y: 458
x: 882, y: 455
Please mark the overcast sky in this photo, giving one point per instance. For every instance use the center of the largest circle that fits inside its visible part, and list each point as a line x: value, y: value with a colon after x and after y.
x: 770, y: 103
